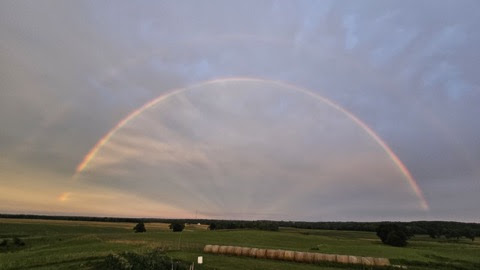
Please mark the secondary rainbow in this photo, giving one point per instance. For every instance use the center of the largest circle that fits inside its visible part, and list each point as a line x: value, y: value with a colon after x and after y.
x: 396, y: 160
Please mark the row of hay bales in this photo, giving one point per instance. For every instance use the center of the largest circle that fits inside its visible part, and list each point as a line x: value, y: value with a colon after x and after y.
x: 295, y: 256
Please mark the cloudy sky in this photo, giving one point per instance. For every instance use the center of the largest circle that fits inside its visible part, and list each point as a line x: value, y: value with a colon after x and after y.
x: 294, y: 110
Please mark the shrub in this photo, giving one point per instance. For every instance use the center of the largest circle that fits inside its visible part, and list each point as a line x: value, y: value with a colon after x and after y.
x: 115, y: 261
x: 132, y: 261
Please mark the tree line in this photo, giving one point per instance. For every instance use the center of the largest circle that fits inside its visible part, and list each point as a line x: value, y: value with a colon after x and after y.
x: 436, y: 229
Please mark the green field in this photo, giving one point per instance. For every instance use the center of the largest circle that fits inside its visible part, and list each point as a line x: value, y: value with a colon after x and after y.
x: 80, y: 244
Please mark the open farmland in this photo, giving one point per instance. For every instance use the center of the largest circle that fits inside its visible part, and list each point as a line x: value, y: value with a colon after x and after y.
x: 79, y: 245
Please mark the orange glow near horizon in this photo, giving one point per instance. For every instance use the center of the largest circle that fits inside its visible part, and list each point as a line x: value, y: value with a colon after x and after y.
x: 64, y: 196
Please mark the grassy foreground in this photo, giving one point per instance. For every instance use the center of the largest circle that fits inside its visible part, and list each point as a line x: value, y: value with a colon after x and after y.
x: 50, y: 244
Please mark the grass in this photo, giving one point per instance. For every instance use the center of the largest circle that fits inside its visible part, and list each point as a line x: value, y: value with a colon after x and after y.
x: 53, y: 244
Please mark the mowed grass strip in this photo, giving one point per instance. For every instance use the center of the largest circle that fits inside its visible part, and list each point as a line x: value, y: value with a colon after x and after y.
x: 52, y: 244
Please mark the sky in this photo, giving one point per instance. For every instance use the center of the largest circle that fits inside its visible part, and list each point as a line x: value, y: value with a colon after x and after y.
x: 284, y: 110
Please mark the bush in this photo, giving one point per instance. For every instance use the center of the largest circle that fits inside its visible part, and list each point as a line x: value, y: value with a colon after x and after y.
x: 140, y: 227
x: 132, y: 261
x: 115, y: 261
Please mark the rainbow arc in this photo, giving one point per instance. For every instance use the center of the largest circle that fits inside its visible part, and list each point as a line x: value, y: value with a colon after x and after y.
x: 395, y: 159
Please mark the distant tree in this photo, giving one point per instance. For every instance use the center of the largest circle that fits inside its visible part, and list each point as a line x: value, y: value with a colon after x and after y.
x: 383, y: 230
x: 177, y: 227
x: 469, y: 233
x: 267, y: 226
x: 212, y: 226
x: 140, y: 227
x: 393, y: 234
x: 452, y: 233
x: 433, y: 232
x: 396, y: 238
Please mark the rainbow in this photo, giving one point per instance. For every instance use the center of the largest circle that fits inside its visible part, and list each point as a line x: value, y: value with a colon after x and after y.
x: 395, y: 159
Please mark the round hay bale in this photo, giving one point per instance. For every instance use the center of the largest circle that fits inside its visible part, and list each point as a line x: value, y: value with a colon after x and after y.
x: 245, y: 251
x: 215, y: 249
x: 237, y: 251
x: 230, y: 250
x: 319, y: 257
x: 261, y: 253
x: 280, y: 254
x: 271, y: 254
x: 368, y: 261
x: 207, y: 249
x: 342, y: 259
x: 354, y: 260
x: 308, y: 257
x: 253, y: 252
x: 330, y: 257
x: 299, y: 256
x: 289, y: 255
x: 222, y: 250
x: 381, y: 261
